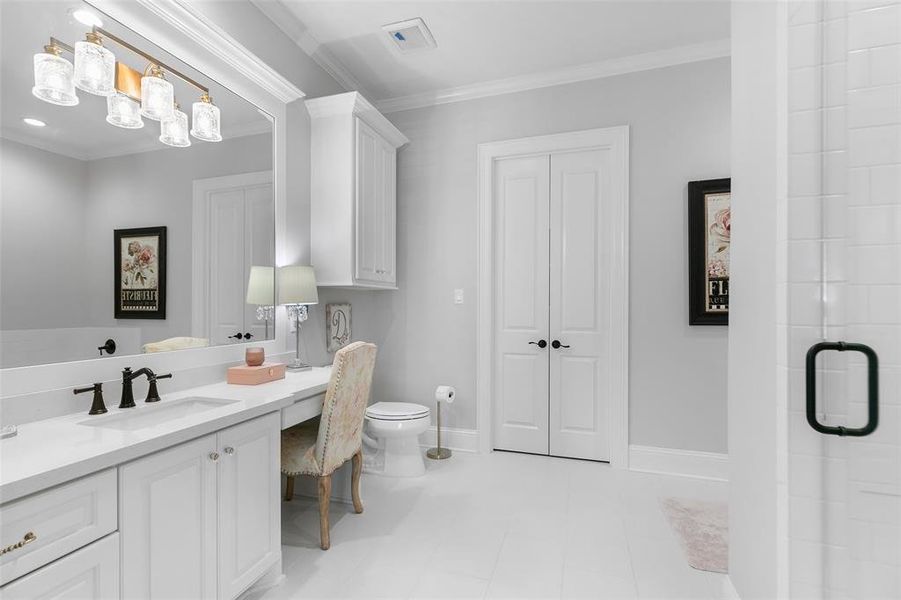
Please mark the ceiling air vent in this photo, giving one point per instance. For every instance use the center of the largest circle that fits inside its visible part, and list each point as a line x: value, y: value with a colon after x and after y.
x: 410, y: 36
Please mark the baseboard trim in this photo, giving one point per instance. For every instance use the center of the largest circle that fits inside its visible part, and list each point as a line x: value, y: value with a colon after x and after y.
x: 683, y: 463
x: 464, y: 440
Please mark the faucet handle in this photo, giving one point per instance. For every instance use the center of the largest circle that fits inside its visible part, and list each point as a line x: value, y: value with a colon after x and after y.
x: 97, y: 405
x: 153, y: 394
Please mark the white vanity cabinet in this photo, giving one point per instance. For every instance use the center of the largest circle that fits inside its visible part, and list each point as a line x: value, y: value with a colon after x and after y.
x: 353, y: 193
x: 199, y: 520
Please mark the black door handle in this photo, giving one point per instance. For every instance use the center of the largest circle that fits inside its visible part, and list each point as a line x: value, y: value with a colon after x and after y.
x: 237, y: 336
x: 872, y: 389
x: 556, y: 344
x: 248, y: 335
x: 540, y: 343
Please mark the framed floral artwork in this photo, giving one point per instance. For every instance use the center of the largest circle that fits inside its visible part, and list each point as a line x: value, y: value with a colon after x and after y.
x: 140, y: 273
x: 709, y: 236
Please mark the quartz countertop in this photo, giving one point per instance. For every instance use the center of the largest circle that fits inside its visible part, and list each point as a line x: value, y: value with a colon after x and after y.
x: 53, y: 451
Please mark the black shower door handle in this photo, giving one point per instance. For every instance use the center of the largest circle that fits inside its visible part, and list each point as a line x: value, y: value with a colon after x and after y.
x: 872, y: 389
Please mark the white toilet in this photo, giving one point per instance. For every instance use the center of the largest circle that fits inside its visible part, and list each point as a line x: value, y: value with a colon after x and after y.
x: 395, y: 427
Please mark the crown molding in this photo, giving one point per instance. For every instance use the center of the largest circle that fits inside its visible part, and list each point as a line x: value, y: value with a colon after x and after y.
x: 287, y: 21
x: 607, y: 68
x: 205, y: 33
x: 353, y: 103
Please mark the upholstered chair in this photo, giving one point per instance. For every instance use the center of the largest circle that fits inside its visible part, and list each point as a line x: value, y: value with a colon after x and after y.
x: 317, y: 448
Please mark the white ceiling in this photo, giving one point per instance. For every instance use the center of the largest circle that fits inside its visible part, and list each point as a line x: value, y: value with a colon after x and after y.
x: 81, y: 131
x: 484, y: 41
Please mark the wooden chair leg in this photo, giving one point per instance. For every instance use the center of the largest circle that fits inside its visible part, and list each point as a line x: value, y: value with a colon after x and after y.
x: 289, y: 488
x: 355, y: 481
x: 325, y: 492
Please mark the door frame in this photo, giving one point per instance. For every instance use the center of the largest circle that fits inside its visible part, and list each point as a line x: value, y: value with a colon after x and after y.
x: 200, y: 233
x: 617, y: 139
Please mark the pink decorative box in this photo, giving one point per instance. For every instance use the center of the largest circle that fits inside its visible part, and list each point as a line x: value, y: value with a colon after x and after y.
x: 266, y: 372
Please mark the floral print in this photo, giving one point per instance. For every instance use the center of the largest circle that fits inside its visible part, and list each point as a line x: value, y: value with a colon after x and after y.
x: 139, y: 266
x: 318, y: 448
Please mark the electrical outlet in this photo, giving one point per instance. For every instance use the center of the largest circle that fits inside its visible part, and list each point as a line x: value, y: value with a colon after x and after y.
x: 458, y: 296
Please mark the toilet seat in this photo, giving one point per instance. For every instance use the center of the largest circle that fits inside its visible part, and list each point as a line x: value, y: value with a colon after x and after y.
x: 396, y: 411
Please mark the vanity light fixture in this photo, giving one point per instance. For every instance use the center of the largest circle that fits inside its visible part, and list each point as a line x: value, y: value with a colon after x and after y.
x: 157, y: 95
x: 174, y: 129
x: 123, y: 111
x: 205, y: 122
x: 96, y: 71
x: 53, y: 76
x: 33, y: 122
x: 261, y: 291
x: 95, y: 66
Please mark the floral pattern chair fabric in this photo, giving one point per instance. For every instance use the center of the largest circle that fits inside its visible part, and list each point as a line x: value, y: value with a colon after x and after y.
x: 317, y: 448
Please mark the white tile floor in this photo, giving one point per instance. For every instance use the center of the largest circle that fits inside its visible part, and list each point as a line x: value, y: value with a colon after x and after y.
x: 499, y: 526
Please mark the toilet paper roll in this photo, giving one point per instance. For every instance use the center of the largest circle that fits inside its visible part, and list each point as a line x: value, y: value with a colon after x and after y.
x: 445, y: 393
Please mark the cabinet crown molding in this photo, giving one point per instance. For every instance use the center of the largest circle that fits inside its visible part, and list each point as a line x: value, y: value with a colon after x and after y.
x: 353, y: 103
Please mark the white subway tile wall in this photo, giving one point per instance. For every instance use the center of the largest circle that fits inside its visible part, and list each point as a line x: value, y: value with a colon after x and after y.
x: 844, y: 283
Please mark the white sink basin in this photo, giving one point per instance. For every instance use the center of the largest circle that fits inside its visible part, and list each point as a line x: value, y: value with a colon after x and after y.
x: 151, y: 415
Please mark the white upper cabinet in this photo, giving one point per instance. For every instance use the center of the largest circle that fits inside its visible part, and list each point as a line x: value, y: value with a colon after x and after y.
x: 354, y: 193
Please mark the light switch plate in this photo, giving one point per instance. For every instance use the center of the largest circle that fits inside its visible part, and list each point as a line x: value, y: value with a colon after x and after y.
x: 458, y: 296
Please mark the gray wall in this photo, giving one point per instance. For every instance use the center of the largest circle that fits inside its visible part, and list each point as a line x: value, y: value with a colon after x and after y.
x: 58, y: 218
x: 41, y: 238
x: 680, y: 131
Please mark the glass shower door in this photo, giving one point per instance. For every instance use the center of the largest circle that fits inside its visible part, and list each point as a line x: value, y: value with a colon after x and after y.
x: 844, y: 298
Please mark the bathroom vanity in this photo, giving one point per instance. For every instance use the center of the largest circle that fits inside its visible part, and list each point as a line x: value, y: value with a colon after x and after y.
x: 178, y: 498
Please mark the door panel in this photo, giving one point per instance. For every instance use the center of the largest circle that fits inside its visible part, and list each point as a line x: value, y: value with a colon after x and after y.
x: 258, y: 235
x: 227, y: 282
x: 248, y: 502
x: 369, y: 199
x: 167, y: 522
x: 521, y: 304
x: 578, y: 421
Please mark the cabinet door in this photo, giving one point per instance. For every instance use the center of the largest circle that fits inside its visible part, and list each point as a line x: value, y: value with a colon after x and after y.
x: 369, y: 202
x: 249, y: 507
x: 387, y: 242
x: 91, y: 573
x: 167, y: 521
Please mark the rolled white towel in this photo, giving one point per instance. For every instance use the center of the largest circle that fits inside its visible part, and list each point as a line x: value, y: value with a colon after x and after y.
x: 175, y: 343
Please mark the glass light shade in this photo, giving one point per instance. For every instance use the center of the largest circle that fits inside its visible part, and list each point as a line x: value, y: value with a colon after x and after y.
x: 157, y: 98
x: 205, y: 124
x: 95, y: 69
x: 123, y: 112
x: 174, y: 130
x: 53, y: 81
x: 297, y: 285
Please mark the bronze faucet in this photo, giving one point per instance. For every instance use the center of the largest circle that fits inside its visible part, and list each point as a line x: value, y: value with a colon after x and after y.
x: 153, y: 395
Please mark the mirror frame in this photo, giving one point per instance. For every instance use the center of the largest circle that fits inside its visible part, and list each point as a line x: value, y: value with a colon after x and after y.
x: 187, y: 34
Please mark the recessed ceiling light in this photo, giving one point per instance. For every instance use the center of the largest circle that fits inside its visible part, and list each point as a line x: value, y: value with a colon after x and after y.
x: 33, y: 122
x: 86, y: 17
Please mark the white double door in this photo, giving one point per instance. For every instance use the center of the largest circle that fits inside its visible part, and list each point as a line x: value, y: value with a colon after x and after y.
x: 551, y: 365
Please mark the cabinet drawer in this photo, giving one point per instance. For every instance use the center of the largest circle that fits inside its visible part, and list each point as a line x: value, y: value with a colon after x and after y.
x: 91, y: 573
x: 302, y: 410
x: 62, y: 519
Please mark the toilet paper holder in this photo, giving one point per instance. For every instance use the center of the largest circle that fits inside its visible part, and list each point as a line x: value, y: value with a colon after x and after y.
x: 443, y: 393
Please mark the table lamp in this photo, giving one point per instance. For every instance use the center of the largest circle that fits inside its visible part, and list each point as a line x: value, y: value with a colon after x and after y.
x: 297, y: 290
x: 261, y: 291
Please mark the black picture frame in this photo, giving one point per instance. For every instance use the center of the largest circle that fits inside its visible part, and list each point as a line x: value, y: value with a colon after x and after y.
x: 145, y: 303
x: 706, y: 295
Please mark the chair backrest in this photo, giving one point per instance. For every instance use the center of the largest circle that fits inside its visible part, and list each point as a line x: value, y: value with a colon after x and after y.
x: 341, y: 424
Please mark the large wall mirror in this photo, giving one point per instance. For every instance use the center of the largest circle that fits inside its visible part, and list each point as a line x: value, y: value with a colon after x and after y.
x: 137, y: 195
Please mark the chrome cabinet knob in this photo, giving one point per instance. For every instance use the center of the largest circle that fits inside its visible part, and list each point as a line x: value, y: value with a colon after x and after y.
x: 214, y: 456
x: 229, y: 450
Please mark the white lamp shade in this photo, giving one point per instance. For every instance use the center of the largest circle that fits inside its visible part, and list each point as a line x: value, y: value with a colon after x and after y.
x: 297, y: 285
x: 174, y: 130
x: 53, y: 80
x: 261, y: 286
x: 123, y: 112
x: 157, y: 98
x: 95, y: 69
x: 205, y: 122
